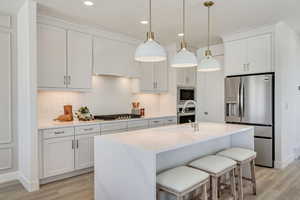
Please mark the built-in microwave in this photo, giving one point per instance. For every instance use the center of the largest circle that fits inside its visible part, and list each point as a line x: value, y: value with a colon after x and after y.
x: 185, y: 94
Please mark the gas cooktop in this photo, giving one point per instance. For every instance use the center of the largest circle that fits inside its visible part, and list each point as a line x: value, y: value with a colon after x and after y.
x: 116, y: 117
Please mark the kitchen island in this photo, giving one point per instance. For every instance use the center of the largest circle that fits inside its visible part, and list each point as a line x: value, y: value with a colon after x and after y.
x: 126, y: 164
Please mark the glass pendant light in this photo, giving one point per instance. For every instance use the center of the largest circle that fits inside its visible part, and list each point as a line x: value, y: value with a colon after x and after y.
x: 208, y: 63
x: 150, y: 50
x: 184, y: 58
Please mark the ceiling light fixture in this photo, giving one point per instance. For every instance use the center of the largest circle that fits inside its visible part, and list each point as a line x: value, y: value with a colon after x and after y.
x: 144, y: 22
x: 184, y: 58
x: 88, y: 3
x: 150, y: 50
x: 208, y: 63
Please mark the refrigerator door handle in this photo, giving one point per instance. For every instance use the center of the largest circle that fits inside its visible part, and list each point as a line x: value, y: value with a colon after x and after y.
x: 240, y: 100
x: 243, y: 99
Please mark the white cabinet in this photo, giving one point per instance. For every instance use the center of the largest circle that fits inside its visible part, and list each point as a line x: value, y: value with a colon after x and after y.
x: 186, y: 77
x: 154, y: 77
x: 58, y: 156
x: 116, y: 58
x: 79, y: 60
x: 84, y: 151
x: 52, y: 57
x: 248, y: 56
x: 64, y: 58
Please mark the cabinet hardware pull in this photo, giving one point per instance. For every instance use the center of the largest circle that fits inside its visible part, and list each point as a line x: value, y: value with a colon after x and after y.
x: 69, y: 80
x: 72, y: 144
x: 155, y: 121
x: 65, y: 80
x: 88, y: 129
x: 58, y: 132
x: 77, y: 144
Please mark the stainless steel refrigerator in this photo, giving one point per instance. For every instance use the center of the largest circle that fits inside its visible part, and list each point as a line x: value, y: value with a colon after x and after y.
x: 249, y: 100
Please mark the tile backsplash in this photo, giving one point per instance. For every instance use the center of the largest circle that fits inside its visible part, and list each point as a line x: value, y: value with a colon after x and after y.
x: 110, y: 95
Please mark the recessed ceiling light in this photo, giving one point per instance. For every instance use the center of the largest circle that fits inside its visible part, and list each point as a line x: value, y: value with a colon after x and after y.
x: 180, y: 34
x: 88, y: 3
x: 144, y: 22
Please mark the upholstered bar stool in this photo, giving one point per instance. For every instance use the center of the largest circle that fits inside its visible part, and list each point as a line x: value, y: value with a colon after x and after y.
x: 216, y: 166
x: 181, y: 181
x: 243, y: 157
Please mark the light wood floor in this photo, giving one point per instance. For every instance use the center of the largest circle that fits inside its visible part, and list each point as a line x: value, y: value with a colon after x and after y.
x: 272, y: 185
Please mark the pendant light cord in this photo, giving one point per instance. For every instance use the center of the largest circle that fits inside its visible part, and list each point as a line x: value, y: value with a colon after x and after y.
x: 183, y: 20
x: 150, y: 15
x: 208, y: 30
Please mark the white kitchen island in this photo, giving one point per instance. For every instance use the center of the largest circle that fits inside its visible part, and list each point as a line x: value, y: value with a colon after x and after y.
x: 126, y: 164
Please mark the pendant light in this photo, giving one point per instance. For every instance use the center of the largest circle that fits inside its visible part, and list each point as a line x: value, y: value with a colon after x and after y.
x: 150, y: 50
x: 184, y: 58
x: 208, y: 63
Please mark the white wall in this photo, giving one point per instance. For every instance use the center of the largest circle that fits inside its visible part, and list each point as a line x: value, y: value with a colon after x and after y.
x: 26, y: 104
x: 287, y: 96
x: 210, y: 88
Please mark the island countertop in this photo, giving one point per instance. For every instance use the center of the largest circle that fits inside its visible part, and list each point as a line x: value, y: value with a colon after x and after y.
x: 162, y: 139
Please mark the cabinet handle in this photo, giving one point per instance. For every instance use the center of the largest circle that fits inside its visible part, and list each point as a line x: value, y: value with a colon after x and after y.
x: 77, y: 144
x: 65, y: 80
x: 73, y: 144
x: 155, y: 121
x: 69, y: 80
x: 88, y: 129
x: 156, y: 84
x: 58, y: 132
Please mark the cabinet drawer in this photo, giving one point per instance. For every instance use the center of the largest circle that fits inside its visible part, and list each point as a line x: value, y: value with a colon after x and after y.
x: 138, y: 124
x: 113, y: 126
x: 156, y: 122
x: 59, y: 132
x: 87, y: 129
x: 171, y: 120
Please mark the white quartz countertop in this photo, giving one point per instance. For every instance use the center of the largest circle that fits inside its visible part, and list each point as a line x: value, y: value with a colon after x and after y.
x: 172, y: 137
x: 49, y: 124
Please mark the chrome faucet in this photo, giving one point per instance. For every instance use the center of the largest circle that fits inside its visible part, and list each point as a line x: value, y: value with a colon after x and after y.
x: 195, y: 124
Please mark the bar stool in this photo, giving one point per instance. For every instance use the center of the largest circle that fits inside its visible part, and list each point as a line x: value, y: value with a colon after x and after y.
x: 216, y: 166
x: 243, y: 157
x: 181, y: 181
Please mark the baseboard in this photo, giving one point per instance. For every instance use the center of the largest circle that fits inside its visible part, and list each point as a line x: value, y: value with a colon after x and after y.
x: 286, y: 162
x: 30, y: 186
x: 11, y: 176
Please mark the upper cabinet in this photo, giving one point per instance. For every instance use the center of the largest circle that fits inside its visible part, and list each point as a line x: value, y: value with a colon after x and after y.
x: 186, y: 77
x: 115, y: 58
x: 153, y: 79
x: 64, y: 58
x: 249, y: 56
x: 52, y: 57
x: 79, y: 60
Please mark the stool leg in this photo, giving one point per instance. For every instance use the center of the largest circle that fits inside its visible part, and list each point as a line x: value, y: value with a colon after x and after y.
x: 158, y: 194
x: 240, y: 182
x: 253, y: 176
x: 204, y: 192
x: 214, y: 188
x: 233, y: 185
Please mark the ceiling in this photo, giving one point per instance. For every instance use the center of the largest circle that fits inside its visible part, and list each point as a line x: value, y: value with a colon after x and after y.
x: 123, y: 16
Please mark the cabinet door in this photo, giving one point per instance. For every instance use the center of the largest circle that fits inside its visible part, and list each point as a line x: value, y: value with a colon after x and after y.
x: 84, y: 151
x: 161, y: 76
x: 180, y: 77
x: 235, y: 57
x: 259, y: 54
x: 79, y: 60
x: 52, y: 57
x: 147, y: 77
x: 190, y: 77
x: 58, y: 156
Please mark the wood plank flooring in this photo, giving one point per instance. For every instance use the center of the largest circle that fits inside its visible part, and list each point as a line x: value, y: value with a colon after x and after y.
x: 272, y: 184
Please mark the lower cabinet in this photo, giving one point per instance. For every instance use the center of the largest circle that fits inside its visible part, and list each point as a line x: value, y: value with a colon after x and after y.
x: 58, y: 156
x: 84, y: 151
x: 71, y: 149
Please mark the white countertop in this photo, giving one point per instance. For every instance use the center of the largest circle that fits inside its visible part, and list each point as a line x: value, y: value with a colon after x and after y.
x: 172, y: 137
x: 48, y: 124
